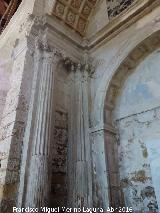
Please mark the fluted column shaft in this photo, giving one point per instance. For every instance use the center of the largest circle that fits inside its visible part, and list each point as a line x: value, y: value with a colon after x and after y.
x: 38, y: 186
x: 81, y: 150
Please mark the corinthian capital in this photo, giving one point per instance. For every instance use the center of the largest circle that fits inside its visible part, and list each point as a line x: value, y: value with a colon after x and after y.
x: 87, y: 68
x: 47, y: 51
x: 81, y: 66
x: 69, y: 64
x: 42, y: 44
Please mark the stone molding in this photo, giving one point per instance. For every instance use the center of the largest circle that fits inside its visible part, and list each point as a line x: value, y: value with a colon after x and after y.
x: 145, y: 48
x: 115, y: 26
x: 133, y: 59
x: 122, y: 22
x: 30, y: 27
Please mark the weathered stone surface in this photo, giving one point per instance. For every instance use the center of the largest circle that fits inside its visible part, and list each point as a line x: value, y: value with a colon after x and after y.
x: 59, y: 160
x: 113, y: 163
x: 39, y: 165
x: 137, y: 126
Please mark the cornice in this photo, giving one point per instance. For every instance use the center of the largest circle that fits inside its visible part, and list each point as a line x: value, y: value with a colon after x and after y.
x: 58, y: 26
x: 44, y: 26
x: 122, y: 22
x: 114, y: 27
x: 63, y: 37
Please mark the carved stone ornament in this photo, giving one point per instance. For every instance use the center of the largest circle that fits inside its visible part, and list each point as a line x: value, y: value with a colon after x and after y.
x: 75, y: 13
x: 83, y: 66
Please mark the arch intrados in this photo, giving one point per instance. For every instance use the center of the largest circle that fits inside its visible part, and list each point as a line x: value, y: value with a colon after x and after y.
x: 128, y: 65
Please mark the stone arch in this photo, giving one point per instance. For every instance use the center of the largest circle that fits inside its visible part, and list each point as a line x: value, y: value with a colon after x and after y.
x: 140, y: 52
x: 135, y: 57
x: 110, y: 68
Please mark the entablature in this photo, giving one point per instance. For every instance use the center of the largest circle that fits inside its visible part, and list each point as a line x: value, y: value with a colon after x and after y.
x: 118, y: 23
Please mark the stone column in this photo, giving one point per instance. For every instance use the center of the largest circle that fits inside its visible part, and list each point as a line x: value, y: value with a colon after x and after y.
x: 38, y: 185
x: 81, y: 151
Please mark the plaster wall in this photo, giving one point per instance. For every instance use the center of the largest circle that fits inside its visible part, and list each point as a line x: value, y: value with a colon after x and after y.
x: 137, y: 118
x: 134, y: 164
x: 140, y: 91
x: 153, y: 154
x: 98, y: 19
x: 4, y: 81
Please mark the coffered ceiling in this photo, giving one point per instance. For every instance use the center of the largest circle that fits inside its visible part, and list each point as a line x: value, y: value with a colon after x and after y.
x: 75, y: 13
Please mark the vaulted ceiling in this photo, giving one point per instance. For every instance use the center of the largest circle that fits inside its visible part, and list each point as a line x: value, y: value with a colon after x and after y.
x: 75, y: 13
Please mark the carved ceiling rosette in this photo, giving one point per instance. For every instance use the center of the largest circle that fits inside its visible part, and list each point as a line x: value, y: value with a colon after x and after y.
x: 75, y: 13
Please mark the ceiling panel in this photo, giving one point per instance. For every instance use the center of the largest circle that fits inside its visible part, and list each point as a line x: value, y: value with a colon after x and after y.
x: 75, y: 13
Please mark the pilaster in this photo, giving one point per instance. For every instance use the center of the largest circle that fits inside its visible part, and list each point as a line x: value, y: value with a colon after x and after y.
x: 14, y: 121
x: 39, y: 158
x: 80, y: 188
